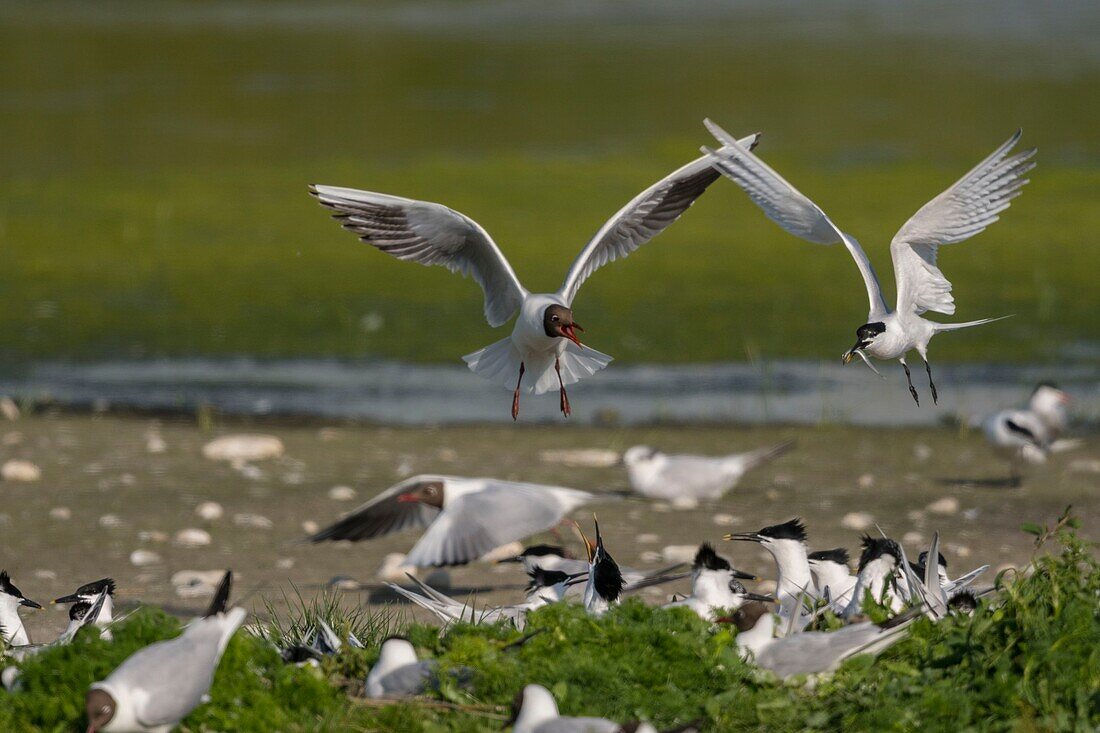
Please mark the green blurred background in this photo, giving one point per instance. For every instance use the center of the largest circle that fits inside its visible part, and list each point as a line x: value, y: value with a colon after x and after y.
x: 154, y: 161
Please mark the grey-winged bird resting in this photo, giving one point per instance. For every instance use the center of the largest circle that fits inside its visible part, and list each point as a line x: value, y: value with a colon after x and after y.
x: 660, y: 475
x: 966, y: 208
x: 465, y: 518
x: 543, y: 351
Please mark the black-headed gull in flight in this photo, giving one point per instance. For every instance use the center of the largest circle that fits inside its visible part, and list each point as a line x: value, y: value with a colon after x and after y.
x: 963, y: 210
x: 465, y: 518
x: 543, y: 350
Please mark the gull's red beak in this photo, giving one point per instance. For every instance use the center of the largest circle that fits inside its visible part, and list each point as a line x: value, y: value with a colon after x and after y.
x: 407, y: 498
x: 570, y: 334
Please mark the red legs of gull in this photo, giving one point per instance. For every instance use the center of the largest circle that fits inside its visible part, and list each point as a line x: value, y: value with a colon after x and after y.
x: 515, y: 395
x: 565, y: 409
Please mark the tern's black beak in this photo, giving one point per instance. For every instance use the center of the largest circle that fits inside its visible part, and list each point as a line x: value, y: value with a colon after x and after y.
x: 517, y: 558
x: 72, y: 598
x: 744, y: 537
x: 761, y: 598
x: 28, y: 603
x: 742, y: 575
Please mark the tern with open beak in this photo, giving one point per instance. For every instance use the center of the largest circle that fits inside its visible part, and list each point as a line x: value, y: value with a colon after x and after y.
x: 544, y: 350
x: 963, y: 210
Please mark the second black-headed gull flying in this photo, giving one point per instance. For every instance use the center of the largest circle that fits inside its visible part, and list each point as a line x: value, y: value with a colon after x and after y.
x: 963, y: 210
x: 465, y: 518
x: 543, y: 350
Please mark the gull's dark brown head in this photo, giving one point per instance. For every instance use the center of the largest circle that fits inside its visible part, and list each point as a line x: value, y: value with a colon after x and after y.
x: 100, y: 707
x: 425, y: 492
x: 557, y: 320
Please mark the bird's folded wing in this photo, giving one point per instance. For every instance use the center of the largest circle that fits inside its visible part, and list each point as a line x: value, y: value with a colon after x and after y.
x: 788, y: 207
x: 479, y: 521
x: 431, y: 234
x: 382, y: 515
x: 644, y: 217
x: 963, y: 210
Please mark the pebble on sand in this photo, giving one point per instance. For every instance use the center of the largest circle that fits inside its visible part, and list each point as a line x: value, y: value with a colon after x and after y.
x: 8, y: 408
x: 310, y: 527
x: 193, y: 537
x: 141, y: 558
x: 650, y: 557
x: 42, y: 574
x: 155, y: 444
x: 210, y: 511
x: 61, y: 513
x: 110, y: 521
x: 913, y: 538
x: 866, y: 481
x: 394, y: 568
x: 196, y: 583
x: 19, y: 470
x: 679, y: 553
x: 341, y: 493
x: 858, y: 521
x: 152, y: 535
x: 647, y: 539
x: 284, y: 563
x: 922, y: 452
x: 243, y: 447
x: 725, y: 520
x: 685, y: 503
x: 946, y: 506
x: 254, y: 521
x: 580, y: 457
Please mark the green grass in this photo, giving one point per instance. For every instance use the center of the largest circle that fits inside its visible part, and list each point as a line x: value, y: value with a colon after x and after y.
x: 1029, y: 660
x: 152, y: 190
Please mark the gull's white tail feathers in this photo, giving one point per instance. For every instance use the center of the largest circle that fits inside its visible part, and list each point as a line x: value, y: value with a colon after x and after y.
x: 499, y: 362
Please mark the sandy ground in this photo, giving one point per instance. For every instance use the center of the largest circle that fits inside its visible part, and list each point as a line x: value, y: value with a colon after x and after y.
x: 121, y: 497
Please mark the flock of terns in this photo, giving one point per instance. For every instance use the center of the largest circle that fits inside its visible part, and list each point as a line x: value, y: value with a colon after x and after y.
x: 465, y: 519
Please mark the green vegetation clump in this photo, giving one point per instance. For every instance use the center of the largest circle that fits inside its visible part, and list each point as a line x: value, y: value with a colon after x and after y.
x: 1026, y: 660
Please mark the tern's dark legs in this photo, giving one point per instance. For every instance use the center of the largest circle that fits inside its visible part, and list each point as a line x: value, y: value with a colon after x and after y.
x: 909, y: 379
x: 515, y: 395
x: 565, y: 409
x: 935, y: 397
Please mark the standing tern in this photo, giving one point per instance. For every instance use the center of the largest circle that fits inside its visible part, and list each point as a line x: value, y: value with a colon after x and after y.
x: 832, y: 578
x: 398, y: 673
x: 465, y: 517
x: 715, y: 586
x: 963, y: 210
x: 159, y: 685
x: 544, y: 343
x: 787, y: 544
x: 659, y: 475
x: 11, y: 624
x: 809, y: 652
x: 88, y: 593
x: 1031, y: 434
x: 605, y: 579
x: 878, y: 563
x: 551, y: 557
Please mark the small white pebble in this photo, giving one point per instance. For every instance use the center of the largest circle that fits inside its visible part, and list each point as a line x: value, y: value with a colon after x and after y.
x: 141, y: 558
x: 649, y: 556
x: 685, y: 503
x: 18, y: 470
x: 725, y: 520
x: 243, y: 448
x: 127, y: 479
x: 253, y: 473
x: 404, y: 468
x: 61, y: 513
x: 679, y: 553
x: 946, y: 506
x: 960, y: 550
x: 922, y: 452
x: 193, y: 537
x: 152, y: 535
x: 858, y: 521
x: 155, y: 444
x: 648, y: 539
x: 866, y: 481
x: 110, y: 521
x: 8, y: 408
x: 210, y: 511
x: 772, y: 495
x: 310, y: 527
x: 972, y: 513
x: 913, y: 538
x: 42, y: 574
x: 254, y: 521
x: 284, y: 563
x: 447, y: 455
x: 341, y: 493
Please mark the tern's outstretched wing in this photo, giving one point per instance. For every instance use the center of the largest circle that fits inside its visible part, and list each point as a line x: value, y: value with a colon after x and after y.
x: 789, y: 208
x: 382, y: 515
x: 960, y: 212
x: 430, y: 234
x: 644, y: 217
x: 498, y: 512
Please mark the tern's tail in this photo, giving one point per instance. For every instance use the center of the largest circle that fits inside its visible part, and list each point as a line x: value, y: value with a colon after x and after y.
x: 748, y: 461
x: 956, y: 326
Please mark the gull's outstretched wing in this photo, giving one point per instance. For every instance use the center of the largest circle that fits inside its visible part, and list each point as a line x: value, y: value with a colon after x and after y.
x: 431, y: 234
x: 491, y: 513
x: 789, y: 208
x: 960, y: 212
x: 647, y: 215
x: 382, y: 515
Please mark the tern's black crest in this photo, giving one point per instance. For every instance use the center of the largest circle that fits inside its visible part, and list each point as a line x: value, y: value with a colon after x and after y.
x: 838, y: 555
x: 7, y: 586
x: 607, y: 578
x: 876, y: 547
x: 707, y: 559
x: 963, y: 602
x: 96, y: 587
x: 791, y: 530
x: 922, y: 559
x: 220, y: 603
x: 543, y: 551
x: 541, y: 578
x: 868, y: 331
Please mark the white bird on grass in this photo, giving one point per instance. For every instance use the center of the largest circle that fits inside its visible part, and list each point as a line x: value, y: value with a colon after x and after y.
x: 544, y: 345
x: 963, y: 210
